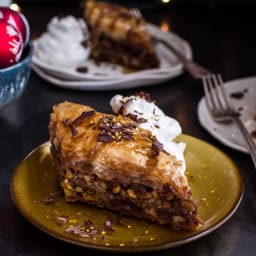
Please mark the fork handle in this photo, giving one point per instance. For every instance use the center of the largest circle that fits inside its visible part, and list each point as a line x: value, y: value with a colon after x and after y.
x: 250, y: 143
x: 193, y: 68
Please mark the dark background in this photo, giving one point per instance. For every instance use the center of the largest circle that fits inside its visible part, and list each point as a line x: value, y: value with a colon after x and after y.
x: 154, y: 3
x: 223, y: 39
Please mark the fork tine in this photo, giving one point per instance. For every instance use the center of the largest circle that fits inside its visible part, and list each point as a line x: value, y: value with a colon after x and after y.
x: 213, y: 100
x: 217, y: 93
x: 207, y: 94
x: 220, y: 94
x: 223, y: 92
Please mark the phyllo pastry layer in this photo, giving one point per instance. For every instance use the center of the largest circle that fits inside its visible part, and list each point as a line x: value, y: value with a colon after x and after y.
x: 108, y: 161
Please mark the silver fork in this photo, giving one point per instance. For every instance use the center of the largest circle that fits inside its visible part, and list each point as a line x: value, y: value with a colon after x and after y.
x: 215, y: 96
x: 222, y: 110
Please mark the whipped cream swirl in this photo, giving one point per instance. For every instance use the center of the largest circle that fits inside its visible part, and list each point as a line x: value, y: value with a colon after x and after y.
x: 163, y: 127
x: 63, y: 42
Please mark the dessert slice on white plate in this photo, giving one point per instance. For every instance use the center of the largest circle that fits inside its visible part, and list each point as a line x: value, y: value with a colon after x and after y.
x: 118, y: 36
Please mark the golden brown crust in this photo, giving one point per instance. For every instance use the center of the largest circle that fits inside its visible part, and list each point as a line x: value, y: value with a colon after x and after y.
x: 118, y: 36
x: 119, y: 157
x: 118, y: 154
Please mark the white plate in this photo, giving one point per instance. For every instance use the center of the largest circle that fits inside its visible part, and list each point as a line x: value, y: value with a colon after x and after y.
x: 90, y: 85
x: 228, y: 133
x: 103, y: 76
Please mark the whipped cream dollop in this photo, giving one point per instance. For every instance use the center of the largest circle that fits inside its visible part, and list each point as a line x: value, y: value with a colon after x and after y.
x: 63, y: 42
x: 163, y: 127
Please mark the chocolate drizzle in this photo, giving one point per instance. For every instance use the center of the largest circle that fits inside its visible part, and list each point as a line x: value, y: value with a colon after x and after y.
x: 136, y: 119
x: 78, y: 120
x: 146, y: 96
x: 239, y: 94
x: 156, y: 146
x: 82, y: 69
x: 111, y: 129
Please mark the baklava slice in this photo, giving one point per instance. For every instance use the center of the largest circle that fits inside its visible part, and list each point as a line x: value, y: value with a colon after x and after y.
x: 118, y: 36
x: 108, y: 161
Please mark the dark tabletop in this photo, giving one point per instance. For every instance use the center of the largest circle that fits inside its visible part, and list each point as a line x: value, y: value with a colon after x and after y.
x: 223, y: 39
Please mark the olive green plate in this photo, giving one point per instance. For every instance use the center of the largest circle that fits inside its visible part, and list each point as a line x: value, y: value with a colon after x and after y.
x: 213, y: 177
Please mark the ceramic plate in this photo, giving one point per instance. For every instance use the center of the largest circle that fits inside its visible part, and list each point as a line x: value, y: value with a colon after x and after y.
x: 242, y: 93
x: 213, y: 177
x: 92, y: 85
x: 108, y: 76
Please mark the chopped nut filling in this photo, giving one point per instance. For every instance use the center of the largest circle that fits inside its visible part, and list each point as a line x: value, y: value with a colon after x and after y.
x: 164, y: 206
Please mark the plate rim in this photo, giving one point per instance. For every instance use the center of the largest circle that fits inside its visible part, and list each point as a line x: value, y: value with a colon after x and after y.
x: 99, y: 85
x: 133, y: 249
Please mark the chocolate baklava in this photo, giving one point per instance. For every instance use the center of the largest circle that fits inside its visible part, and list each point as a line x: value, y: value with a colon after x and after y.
x: 109, y: 161
x: 119, y: 36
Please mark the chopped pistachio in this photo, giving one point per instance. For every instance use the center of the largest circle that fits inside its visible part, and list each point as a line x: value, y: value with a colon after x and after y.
x: 131, y: 193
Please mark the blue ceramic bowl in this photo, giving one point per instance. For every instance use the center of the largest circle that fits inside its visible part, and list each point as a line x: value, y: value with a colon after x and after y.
x: 14, y: 79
